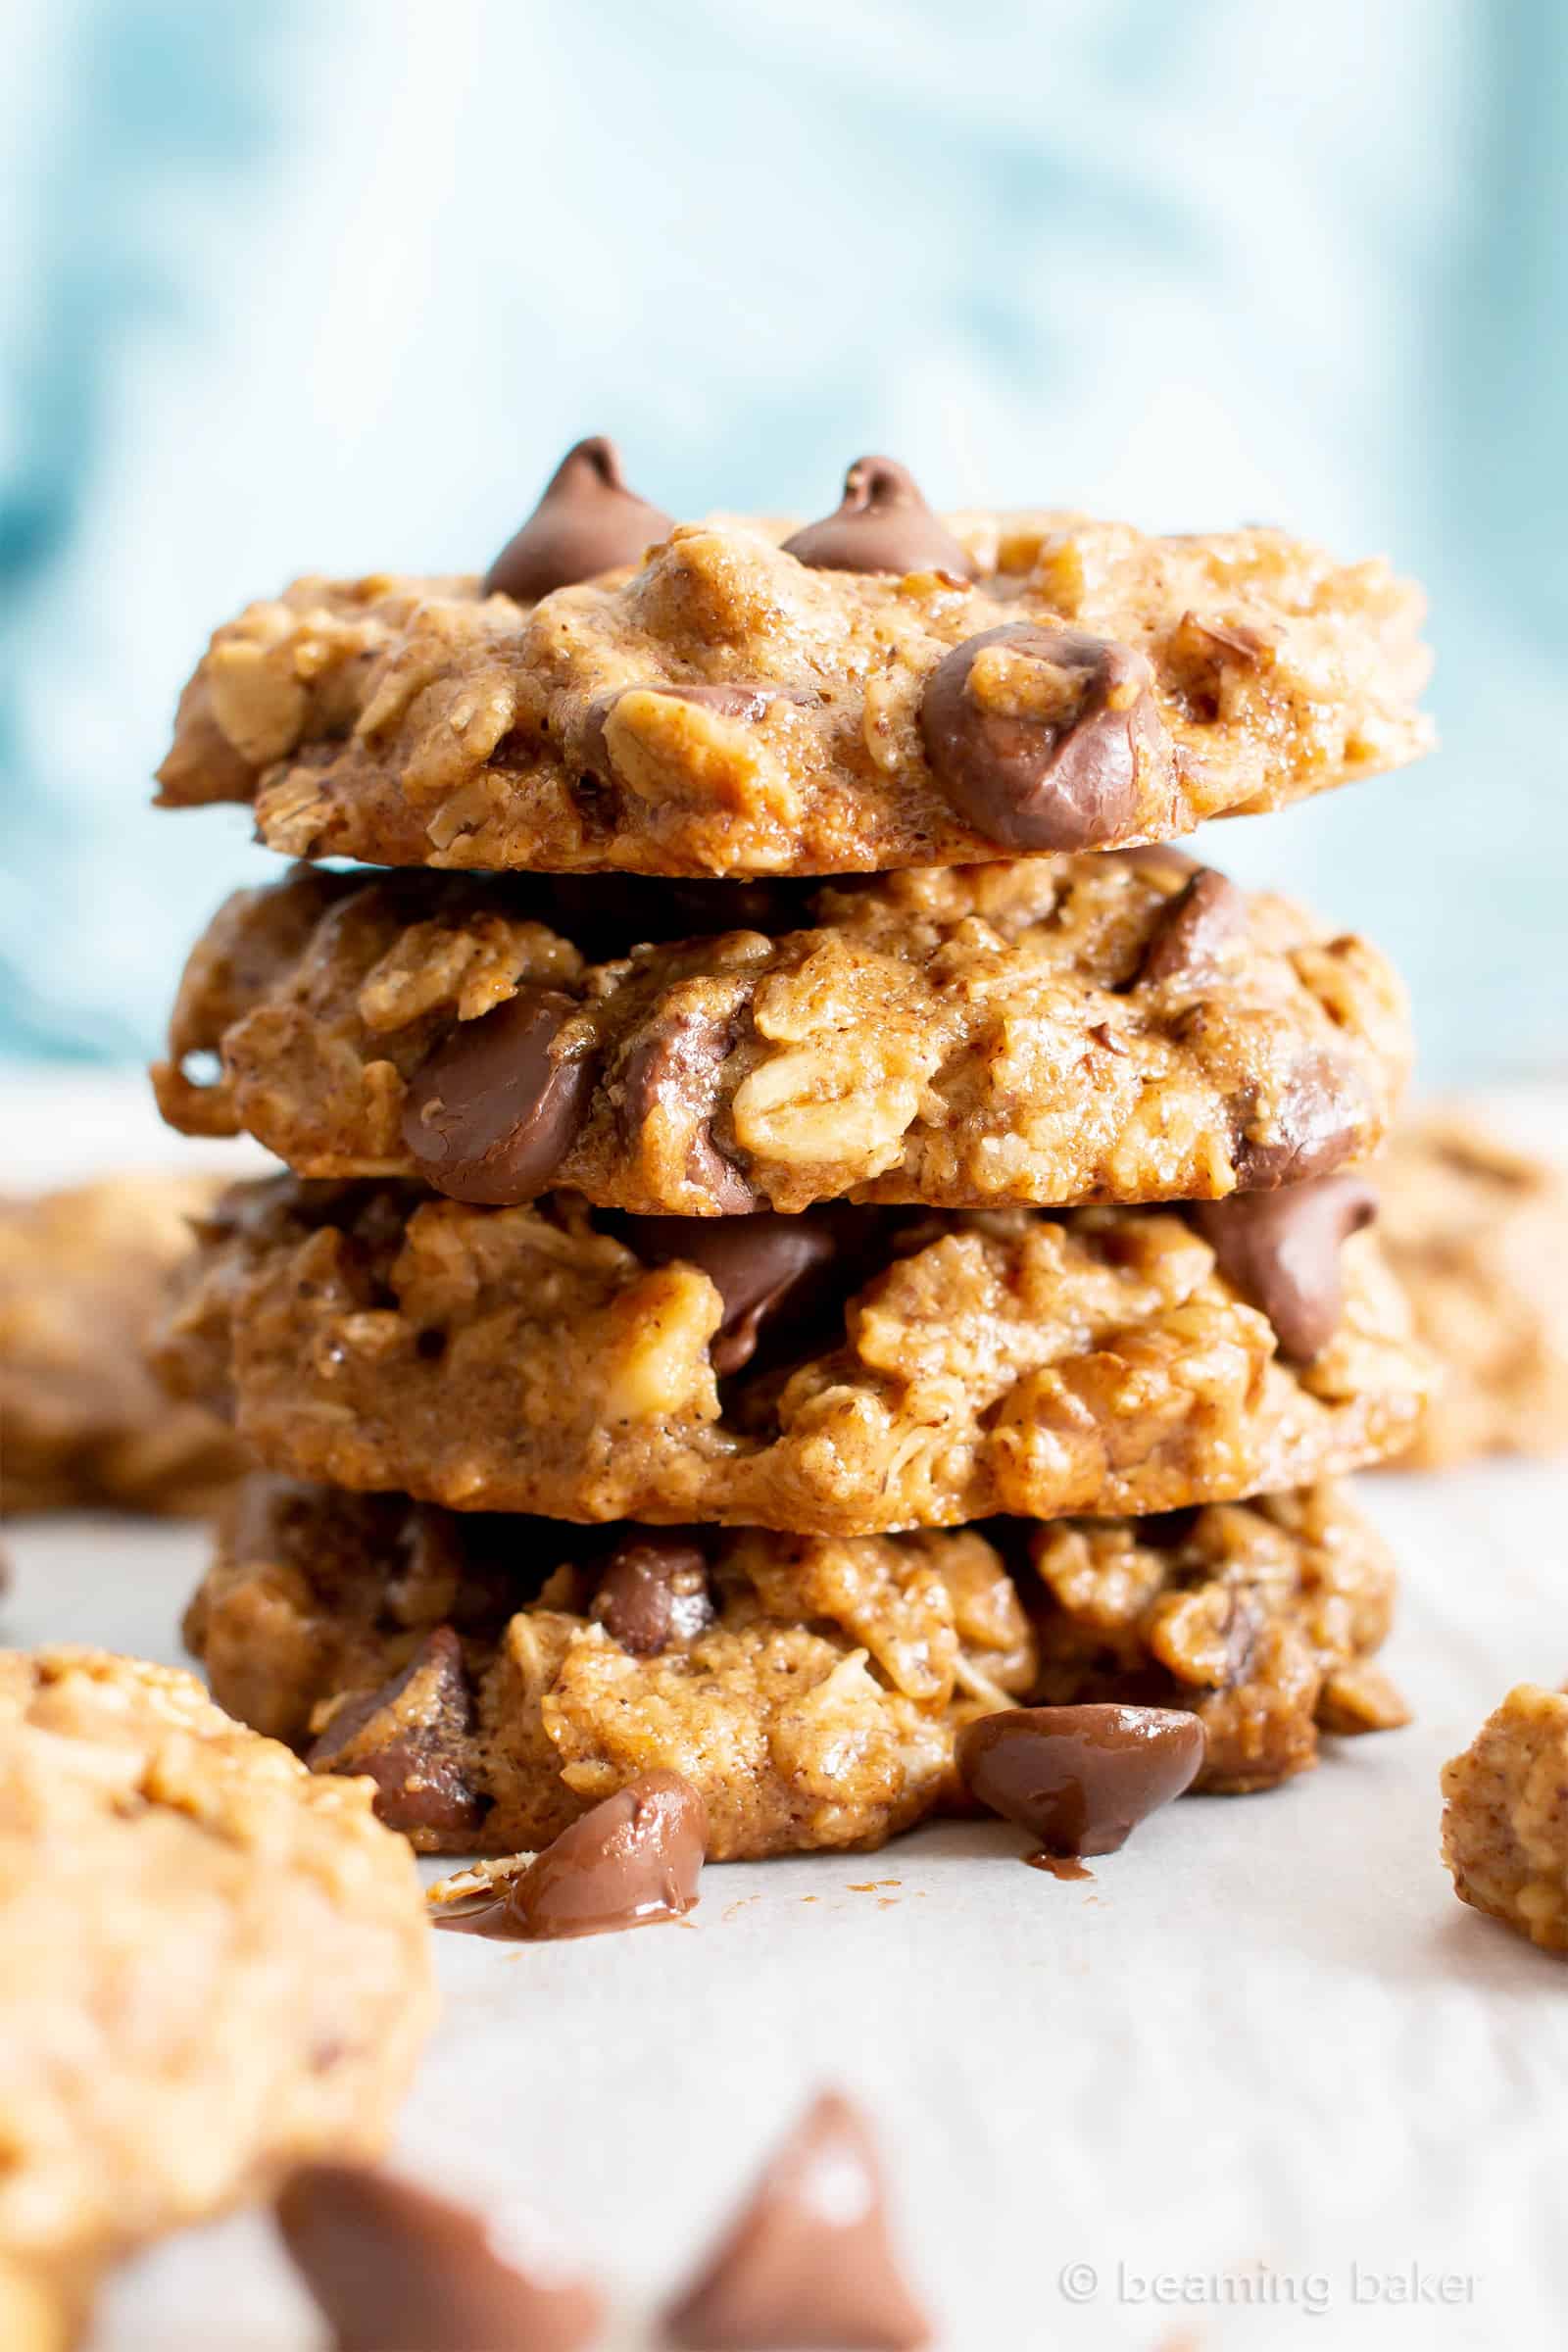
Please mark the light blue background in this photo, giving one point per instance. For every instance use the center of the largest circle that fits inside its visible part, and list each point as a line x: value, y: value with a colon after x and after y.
x: 330, y: 285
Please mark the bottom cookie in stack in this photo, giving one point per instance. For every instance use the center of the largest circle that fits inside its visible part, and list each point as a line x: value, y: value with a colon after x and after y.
x: 497, y: 1675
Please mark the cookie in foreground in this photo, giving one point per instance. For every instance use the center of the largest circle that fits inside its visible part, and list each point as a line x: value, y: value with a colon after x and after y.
x: 1505, y: 1817
x: 213, y: 1965
x: 83, y: 1422
x: 1048, y: 1030
x: 845, y: 1372
x: 731, y: 698
x: 496, y: 1676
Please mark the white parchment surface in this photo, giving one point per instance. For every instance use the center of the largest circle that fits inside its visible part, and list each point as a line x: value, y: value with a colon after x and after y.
x: 1262, y: 2082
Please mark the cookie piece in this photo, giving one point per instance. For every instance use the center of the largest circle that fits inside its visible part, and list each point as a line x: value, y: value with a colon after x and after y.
x: 729, y: 707
x: 1506, y: 1816
x: 1262, y: 1618
x: 1052, y: 1030
x: 213, y: 1965
x: 808, y: 1688
x: 1478, y: 1235
x: 845, y: 1373
x: 81, y: 1278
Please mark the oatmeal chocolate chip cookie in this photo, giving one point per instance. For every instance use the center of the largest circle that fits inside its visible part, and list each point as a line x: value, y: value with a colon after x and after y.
x: 848, y: 1372
x: 211, y: 1964
x: 1261, y: 1617
x: 1478, y: 1235
x: 1506, y: 1816
x: 81, y: 1419
x: 496, y: 1676
x: 1051, y: 1030
x: 881, y: 690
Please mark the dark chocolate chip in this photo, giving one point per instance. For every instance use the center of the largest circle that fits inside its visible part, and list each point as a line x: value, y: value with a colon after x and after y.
x: 1281, y: 1252
x: 767, y: 1269
x: 882, y: 523
x: 1080, y: 1779
x: 412, y: 1738
x: 493, y: 1112
x: 1192, y: 931
x: 586, y: 523
x: 631, y: 1862
x: 809, y: 2261
x: 1062, y: 774
x: 1312, y: 1126
x: 672, y: 1069
x: 653, y: 1591
x: 389, y: 2264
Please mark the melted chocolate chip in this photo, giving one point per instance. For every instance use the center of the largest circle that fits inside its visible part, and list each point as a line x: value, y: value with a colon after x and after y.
x: 586, y: 523
x: 1312, y: 1128
x: 1062, y: 773
x: 809, y: 2262
x: 769, y: 1270
x: 1281, y: 1252
x: 882, y: 523
x: 493, y: 1112
x: 1080, y: 1779
x: 1195, y: 929
x: 653, y: 1591
x: 412, y: 1736
x: 389, y: 2264
x: 672, y: 1073
x: 631, y: 1862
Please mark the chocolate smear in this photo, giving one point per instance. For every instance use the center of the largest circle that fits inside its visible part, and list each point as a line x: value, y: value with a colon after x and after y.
x: 882, y: 523
x: 412, y: 1736
x: 395, y: 2269
x: 1080, y: 1779
x: 809, y: 2262
x: 633, y: 1861
x: 494, y: 1111
x: 1281, y: 1252
x: 1060, y: 770
x: 586, y: 523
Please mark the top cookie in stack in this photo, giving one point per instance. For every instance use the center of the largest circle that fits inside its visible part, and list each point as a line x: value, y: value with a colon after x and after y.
x: 928, y: 1141
x: 881, y: 689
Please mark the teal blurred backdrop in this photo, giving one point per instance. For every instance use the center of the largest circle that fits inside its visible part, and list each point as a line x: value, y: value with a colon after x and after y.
x: 330, y: 286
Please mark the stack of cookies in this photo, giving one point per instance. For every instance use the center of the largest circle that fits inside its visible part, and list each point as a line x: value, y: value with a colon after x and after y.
x: 808, y: 1225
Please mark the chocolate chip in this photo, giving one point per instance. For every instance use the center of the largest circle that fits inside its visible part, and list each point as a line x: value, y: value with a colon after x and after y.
x: 672, y: 1070
x: 809, y: 2261
x: 1281, y: 1252
x: 587, y: 522
x: 1192, y: 931
x: 882, y: 523
x: 631, y: 1862
x: 1311, y: 1128
x: 389, y: 2264
x: 653, y: 1591
x: 767, y: 1269
x: 1062, y: 771
x: 1080, y: 1779
x: 412, y: 1738
x: 493, y: 1112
